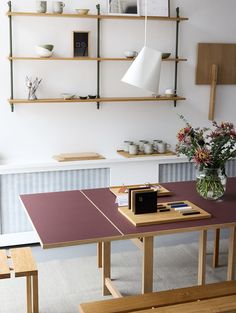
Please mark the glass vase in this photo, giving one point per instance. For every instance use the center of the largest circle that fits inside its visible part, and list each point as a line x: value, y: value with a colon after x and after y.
x: 211, y: 183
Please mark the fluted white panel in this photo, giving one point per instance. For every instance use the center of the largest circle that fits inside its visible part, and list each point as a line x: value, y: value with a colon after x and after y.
x: 231, y: 168
x: 12, y: 215
x: 176, y: 172
x: 186, y: 171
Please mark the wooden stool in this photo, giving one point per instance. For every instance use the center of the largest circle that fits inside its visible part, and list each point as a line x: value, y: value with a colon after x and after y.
x: 20, y: 263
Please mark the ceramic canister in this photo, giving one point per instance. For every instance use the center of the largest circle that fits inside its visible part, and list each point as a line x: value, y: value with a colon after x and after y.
x: 162, y: 147
x: 141, y: 145
x: 133, y: 149
x: 148, y: 148
x: 126, y: 145
x: 57, y: 7
x: 155, y: 142
x: 41, y: 6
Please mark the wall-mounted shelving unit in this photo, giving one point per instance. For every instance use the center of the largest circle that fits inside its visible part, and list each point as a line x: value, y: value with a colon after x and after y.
x: 12, y: 58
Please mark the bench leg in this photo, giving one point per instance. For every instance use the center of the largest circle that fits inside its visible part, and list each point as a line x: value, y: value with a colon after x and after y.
x: 147, y: 272
x: 32, y: 294
x: 215, y: 260
x: 29, y: 294
x: 231, y: 254
x: 202, y: 257
x: 35, y: 294
x: 106, y: 266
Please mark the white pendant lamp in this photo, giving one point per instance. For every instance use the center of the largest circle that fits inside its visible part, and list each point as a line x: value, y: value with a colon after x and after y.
x: 144, y: 72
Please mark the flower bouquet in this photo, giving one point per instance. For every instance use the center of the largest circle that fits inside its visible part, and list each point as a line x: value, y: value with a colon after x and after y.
x: 209, y: 149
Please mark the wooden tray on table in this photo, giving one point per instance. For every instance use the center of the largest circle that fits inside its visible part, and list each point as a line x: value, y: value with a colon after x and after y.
x: 119, y: 190
x: 164, y: 216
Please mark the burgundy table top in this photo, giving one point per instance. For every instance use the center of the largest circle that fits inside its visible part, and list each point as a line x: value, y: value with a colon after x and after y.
x: 73, y: 217
x: 64, y: 218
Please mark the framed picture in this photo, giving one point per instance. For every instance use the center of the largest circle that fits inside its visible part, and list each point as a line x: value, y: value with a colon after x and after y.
x: 123, y: 7
x: 80, y: 44
x: 155, y: 8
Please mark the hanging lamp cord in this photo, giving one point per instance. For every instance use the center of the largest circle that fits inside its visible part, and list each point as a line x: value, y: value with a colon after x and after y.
x: 145, y: 25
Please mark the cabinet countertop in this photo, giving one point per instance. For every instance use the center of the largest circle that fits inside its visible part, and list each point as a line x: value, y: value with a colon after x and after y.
x: 42, y: 165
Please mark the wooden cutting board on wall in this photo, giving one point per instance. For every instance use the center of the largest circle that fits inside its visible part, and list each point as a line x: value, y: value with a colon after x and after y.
x: 221, y: 54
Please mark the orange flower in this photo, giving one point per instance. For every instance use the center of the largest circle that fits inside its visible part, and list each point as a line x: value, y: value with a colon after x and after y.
x: 202, y: 155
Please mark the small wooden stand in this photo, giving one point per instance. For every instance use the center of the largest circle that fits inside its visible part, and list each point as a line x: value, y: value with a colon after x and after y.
x: 162, y: 191
x: 215, y: 65
x: 214, y: 70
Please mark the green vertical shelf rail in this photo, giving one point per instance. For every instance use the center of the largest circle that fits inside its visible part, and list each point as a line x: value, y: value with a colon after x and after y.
x: 176, y: 54
x: 10, y: 55
x: 98, y: 55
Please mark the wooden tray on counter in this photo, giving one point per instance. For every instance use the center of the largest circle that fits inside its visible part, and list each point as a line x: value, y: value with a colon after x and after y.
x: 141, y: 154
x: 66, y: 157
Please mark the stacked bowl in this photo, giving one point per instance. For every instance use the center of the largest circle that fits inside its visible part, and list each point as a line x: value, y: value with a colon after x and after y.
x: 44, y: 51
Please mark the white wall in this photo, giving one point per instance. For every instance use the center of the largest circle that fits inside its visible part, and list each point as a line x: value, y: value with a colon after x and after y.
x: 38, y: 131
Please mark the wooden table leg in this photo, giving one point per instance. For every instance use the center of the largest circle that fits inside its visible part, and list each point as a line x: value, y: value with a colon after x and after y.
x: 99, y: 254
x: 147, y: 272
x: 231, y: 254
x: 29, y: 294
x: 215, y: 260
x: 106, y: 266
x: 35, y: 294
x: 202, y: 257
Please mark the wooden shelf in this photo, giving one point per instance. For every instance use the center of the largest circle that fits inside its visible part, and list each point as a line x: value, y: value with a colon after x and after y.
x: 109, y: 99
x: 95, y: 16
x: 84, y: 59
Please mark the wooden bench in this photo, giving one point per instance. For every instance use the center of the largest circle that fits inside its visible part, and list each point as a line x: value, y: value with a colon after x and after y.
x: 218, y: 297
x: 20, y: 263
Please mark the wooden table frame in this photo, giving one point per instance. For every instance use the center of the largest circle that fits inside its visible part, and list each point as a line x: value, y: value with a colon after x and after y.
x: 146, y: 244
x: 76, y: 210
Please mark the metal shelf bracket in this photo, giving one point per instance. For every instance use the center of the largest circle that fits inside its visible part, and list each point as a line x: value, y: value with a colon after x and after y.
x: 10, y: 55
x: 98, y: 55
x: 176, y: 53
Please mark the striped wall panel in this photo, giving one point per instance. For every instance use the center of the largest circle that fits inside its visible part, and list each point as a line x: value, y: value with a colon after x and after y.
x: 176, y: 172
x: 186, y: 171
x: 12, y: 216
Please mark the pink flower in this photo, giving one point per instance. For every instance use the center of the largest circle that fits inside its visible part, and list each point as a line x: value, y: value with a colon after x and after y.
x: 233, y: 133
x: 226, y: 125
x: 183, y: 133
x: 206, y: 147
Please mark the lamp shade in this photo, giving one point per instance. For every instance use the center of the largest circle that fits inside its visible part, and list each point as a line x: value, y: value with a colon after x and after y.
x: 144, y: 72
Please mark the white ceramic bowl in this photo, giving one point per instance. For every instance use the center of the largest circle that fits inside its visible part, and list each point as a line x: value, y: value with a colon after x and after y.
x: 130, y: 54
x: 47, y: 46
x: 82, y: 11
x: 169, y: 92
x: 42, y: 52
x: 67, y: 96
x: 165, y: 55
